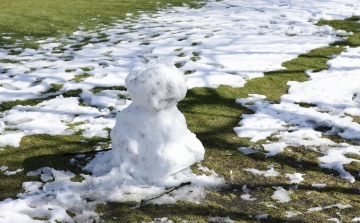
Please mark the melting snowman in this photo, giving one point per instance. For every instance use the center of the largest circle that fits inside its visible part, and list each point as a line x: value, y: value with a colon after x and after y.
x: 150, y: 139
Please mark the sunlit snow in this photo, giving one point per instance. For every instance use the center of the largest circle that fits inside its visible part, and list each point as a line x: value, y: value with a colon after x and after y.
x: 221, y: 43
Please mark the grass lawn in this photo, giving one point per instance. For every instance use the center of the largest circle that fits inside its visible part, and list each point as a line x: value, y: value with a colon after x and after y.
x: 211, y: 114
x: 31, y: 20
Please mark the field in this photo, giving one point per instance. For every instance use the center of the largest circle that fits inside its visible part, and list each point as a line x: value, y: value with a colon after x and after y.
x: 45, y: 66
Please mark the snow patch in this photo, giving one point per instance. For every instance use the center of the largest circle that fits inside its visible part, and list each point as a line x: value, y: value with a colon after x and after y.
x: 267, y: 173
x: 295, y: 177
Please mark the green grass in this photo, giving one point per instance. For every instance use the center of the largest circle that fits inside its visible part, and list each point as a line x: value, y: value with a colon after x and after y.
x: 41, y: 19
x: 38, y: 151
x: 211, y: 114
x: 97, y: 90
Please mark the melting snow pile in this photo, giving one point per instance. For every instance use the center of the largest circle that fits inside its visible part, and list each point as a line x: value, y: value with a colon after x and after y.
x: 152, y: 149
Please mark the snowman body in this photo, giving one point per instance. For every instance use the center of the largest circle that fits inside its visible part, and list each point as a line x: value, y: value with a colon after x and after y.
x: 150, y: 138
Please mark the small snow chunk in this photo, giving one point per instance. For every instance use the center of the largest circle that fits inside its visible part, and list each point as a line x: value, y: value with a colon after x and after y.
x: 247, y: 197
x: 220, y: 219
x: 281, y: 194
x: 269, y: 205
x: 357, y: 219
x: 3, y: 168
x: 340, y: 206
x: 8, y: 173
x: 295, y: 178
x: 62, y: 175
x: 274, y: 148
x: 248, y: 150
x: 204, y: 168
x: 245, y: 189
x: 256, y: 96
x: 319, y: 186
x: 261, y: 216
x: 335, y: 220
x: 290, y: 214
x: 268, y: 173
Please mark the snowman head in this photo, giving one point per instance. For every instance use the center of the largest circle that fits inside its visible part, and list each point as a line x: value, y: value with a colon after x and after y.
x: 157, y: 86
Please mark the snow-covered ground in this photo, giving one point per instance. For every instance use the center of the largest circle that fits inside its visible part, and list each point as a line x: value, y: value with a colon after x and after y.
x: 225, y: 42
x: 334, y: 94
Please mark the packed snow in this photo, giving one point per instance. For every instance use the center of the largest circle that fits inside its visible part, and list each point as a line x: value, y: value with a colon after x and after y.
x: 150, y: 138
x: 221, y: 43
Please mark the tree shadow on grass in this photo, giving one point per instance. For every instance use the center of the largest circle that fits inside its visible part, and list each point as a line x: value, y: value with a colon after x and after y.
x: 37, y: 151
x: 190, y: 212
